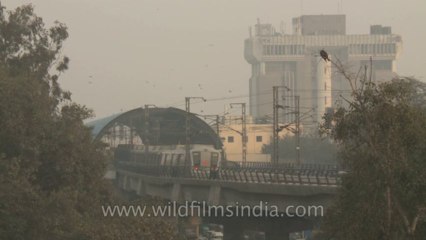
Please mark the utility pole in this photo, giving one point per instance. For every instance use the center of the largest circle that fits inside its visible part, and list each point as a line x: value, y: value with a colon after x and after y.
x: 244, y: 128
x: 146, y: 128
x: 188, y: 129
x: 132, y: 128
x: 297, y: 102
x: 217, y: 125
x: 243, y: 132
x: 275, y: 126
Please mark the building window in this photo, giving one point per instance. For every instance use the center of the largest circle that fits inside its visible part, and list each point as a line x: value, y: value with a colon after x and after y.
x: 230, y: 139
x: 363, y: 49
x: 393, y: 48
x: 259, y: 139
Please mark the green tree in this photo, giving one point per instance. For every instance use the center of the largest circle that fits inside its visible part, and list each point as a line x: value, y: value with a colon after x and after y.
x: 51, y: 172
x: 382, y: 138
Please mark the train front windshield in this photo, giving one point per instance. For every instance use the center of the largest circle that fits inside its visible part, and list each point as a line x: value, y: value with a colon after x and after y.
x: 205, y: 160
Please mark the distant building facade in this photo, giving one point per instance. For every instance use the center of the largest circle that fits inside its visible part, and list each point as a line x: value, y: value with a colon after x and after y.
x: 258, y: 135
x: 293, y: 62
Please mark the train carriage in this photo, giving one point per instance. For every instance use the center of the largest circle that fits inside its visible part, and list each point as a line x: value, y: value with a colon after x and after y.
x: 204, y: 159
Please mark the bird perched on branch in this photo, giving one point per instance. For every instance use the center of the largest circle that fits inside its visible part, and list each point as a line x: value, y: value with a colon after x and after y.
x: 324, y: 55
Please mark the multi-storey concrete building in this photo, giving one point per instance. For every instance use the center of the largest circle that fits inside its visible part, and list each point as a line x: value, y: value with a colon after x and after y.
x: 293, y: 61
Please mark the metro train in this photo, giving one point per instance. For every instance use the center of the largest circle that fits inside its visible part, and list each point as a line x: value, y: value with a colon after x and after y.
x: 202, y: 157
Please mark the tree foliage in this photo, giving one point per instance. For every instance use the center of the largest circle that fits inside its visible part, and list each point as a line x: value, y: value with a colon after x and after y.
x: 382, y: 136
x: 51, y: 172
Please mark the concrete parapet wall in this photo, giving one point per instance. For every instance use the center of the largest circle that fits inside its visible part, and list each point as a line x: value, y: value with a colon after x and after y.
x: 219, y: 192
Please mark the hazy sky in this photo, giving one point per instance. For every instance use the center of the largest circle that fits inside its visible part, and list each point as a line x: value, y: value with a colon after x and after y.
x: 128, y: 53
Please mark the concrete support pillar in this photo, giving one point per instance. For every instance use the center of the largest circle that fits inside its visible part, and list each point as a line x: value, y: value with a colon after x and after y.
x: 125, y: 182
x: 233, y: 231
x: 140, y: 188
x: 214, y: 195
x: 277, y: 235
x: 176, y: 192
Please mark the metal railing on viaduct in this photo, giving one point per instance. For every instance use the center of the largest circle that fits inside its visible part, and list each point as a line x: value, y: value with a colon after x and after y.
x: 251, y: 172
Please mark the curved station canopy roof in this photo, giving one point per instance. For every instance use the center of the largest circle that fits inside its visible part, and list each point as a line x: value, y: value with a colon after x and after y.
x: 159, y: 126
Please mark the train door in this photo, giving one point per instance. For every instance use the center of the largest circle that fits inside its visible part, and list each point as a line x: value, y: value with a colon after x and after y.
x: 214, y: 165
x: 205, y: 160
x: 163, y: 159
x: 196, y: 160
x: 214, y: 162
x: 172, y: 159
x: 180, y: 160
x: 167, y: 160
